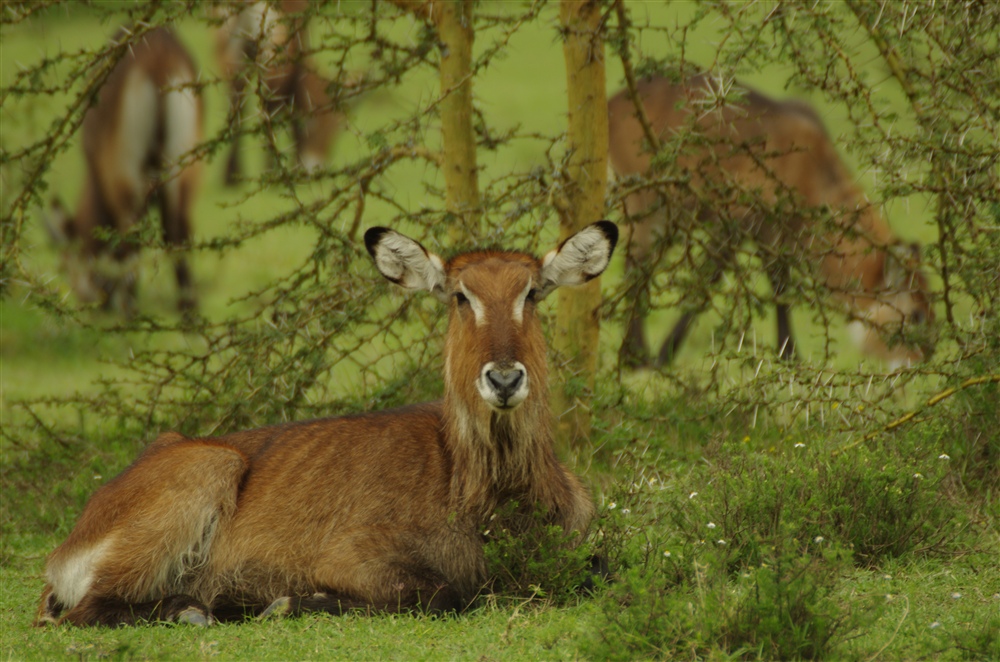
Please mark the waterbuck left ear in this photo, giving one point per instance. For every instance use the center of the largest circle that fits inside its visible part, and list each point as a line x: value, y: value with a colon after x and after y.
x: 405, y: 262
x: 583, y: 256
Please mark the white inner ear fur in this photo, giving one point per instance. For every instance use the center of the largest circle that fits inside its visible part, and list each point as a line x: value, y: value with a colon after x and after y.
x: 475, y: 303
x: 519, y: 303
x: 582, y: 257
x: 406, y: 263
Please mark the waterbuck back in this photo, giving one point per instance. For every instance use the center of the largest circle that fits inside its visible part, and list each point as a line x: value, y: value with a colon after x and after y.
x: 138, y: 142
x: 381, y: 511
x: 767, y: 171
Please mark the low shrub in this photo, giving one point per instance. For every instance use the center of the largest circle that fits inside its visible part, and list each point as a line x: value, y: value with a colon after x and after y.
x: 527, y: 557
x: 783, y: 609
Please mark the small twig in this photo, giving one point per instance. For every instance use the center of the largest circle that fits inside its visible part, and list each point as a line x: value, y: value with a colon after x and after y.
x: 906, y: 612
x: 633, y: 92
x: 947, y: 393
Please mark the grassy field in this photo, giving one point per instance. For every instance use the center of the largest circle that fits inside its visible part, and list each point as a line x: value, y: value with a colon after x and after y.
x: 734, y: 534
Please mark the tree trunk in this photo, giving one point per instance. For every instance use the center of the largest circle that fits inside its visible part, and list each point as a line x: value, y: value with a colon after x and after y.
x: 454, y: 25
x: 452, y: 20
x: 577, y: 318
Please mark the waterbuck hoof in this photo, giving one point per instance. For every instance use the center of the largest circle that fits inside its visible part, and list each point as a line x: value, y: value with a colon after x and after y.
x: 277, y: 609
x: 194, y: 616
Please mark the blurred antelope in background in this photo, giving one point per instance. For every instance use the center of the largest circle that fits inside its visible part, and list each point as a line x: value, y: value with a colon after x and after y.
x: 274, y: 39
x: 776, y: 151
x: 138, y: 139
x: 381, y: 511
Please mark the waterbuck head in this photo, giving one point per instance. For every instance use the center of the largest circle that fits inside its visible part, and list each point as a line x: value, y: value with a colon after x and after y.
x: 898, y: 324
x: 494, y: 348
x: 92, y: 271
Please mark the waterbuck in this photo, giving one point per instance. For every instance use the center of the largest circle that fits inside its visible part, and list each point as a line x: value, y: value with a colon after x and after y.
x: 138, y: 139
x: 380, y: 511
x: 781, y: 169
x: 274, y: 38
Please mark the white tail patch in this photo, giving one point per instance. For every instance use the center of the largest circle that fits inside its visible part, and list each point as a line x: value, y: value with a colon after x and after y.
x: 138, y: 120
x: 182, y: 121
x: 72, y: 578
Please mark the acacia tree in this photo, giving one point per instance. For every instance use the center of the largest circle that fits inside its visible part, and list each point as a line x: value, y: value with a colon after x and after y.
x: 453, y: 22
x: 578, y: 320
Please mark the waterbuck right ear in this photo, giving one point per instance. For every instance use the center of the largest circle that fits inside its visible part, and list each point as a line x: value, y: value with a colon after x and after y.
x: 580, y: 258
x: 56, y: 222
x: 405, y: 262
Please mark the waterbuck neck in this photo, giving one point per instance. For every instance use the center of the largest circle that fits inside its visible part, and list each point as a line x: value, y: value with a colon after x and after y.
x: 496, y: 454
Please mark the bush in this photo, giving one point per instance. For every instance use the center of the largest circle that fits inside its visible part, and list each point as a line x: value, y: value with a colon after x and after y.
x: 784, y: 609
x: 526, y: 557
x: 753, y: 503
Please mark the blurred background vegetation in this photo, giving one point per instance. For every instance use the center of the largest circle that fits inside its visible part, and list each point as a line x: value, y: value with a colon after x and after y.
x: 812, y: 503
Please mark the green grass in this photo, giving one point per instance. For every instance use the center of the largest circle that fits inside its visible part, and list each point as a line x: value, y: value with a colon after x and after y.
x: 908, y: 569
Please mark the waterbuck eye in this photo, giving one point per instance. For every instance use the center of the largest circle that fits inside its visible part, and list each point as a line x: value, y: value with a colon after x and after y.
x: 532, y: 293
x: 461, y: 299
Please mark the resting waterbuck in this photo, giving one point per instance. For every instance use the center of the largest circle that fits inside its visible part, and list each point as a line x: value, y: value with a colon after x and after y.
x: 766, y: 171
x: 273, y: 38
x: 381, y: 511
x: 138, y: 142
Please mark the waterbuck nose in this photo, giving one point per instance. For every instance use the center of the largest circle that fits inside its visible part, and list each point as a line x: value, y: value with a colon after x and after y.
x: 505, y: 382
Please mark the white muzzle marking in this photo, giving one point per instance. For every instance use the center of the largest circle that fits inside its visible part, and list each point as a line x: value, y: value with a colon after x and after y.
x: 503, y: 389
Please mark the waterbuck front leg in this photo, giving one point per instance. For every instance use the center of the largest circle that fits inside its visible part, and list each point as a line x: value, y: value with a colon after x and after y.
x: 402, y: 587
x: 640, y: 264
x: 237, y: 111
x: 634, y: 352
x: 670, y: 347
x: 777, y: 274
x: 430, y: 597
x: 175, y: 209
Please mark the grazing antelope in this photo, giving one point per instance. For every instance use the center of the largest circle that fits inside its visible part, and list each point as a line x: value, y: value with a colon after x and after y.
x: 137, y: 143
x: 776, y: 150
x: 381, y: 511
x: 274, y: 38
